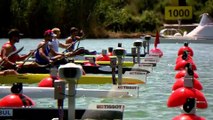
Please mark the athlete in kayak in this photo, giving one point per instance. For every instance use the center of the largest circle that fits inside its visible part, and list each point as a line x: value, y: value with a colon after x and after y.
x: 46, y: 55
x: 42, y: 55
x: 76, y: 36
x: 9, y: 47
x: 56, y: 44
x: 73, y: 38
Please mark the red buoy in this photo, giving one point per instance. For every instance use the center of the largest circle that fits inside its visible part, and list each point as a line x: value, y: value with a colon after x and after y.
x: 182, y: 64
x: 90, y: 64
x: 180, y: 83
x: 185, y: 48
x: 179, y: 96
x: 16, y: 100
x: 182, y: 73
x: 188, y: 117
x: 46, y: 82
x: 156, y: 51
x: 110, y: 53
x: 103, y: 58
x: 189, y: 59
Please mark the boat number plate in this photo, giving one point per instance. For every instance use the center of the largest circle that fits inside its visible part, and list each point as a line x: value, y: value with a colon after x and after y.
x: 6, y: 112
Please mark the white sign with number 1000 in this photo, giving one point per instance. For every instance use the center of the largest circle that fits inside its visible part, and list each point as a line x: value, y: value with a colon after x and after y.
x: 178, y: 12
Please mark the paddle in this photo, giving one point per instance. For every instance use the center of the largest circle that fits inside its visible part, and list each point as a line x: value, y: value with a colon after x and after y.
x: 11, y: 54
x: 76, y: 52
x: 20, y: 66
x: 66, y: 50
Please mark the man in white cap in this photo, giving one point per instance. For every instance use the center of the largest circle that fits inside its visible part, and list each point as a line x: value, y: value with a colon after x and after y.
x: 55, y: 42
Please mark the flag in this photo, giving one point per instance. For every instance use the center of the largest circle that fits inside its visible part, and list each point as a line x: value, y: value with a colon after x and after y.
x: 157, y: 39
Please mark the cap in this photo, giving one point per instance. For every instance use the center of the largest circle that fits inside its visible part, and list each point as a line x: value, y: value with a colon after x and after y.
x: 73, y: 29
x: 14, y: 32
x: 49, y: 33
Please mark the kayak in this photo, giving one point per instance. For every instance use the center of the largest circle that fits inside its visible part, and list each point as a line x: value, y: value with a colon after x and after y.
x: 85, y: 79
x: 87, y: 69
x: 125, y: 63
x: 48, y: 92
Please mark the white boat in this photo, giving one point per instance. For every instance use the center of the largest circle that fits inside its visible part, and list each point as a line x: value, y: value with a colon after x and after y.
x: 201, y: 34
x: 203, y: 30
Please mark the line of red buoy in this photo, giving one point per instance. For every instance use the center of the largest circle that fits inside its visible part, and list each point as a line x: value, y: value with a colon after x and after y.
x: 186, y: 91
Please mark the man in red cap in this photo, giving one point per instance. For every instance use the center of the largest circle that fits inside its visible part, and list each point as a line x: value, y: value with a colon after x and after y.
x: 43, y: 52
x: 9, y: 47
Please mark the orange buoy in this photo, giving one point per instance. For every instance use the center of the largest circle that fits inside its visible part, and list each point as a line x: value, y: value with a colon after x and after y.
x: 182, y: 64
x: 188, y: 117
x: 179, y: 96
x: 46, y: 82
x: 156, y: 51
x: 182, y: 73
x: 180, y: 83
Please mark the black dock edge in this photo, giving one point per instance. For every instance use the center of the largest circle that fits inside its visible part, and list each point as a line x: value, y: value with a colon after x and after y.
x: 49, y: 113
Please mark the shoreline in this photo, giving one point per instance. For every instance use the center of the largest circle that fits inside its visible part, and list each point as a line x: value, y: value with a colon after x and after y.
x: 127, y: 35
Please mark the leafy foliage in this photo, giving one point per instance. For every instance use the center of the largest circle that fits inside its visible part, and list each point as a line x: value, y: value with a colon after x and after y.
x: 96, y: 17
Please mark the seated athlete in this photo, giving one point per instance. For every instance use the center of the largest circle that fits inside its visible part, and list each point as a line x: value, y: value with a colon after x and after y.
x: 73, y: 38
x: 9, y: 47
x: 46, y: 55
x: 56, y: 44
x: 42, y: 55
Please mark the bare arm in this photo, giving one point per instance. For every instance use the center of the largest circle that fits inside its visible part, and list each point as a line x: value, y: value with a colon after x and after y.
x: 23, y: 57
x: 62, y: 45
x: 69, y: 40
x: 41, y: 51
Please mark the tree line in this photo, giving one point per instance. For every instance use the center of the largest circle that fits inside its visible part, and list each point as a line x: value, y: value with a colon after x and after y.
x: 95, y: 17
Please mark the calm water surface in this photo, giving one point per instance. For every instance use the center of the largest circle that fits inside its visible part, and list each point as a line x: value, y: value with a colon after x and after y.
x: 151, y: 104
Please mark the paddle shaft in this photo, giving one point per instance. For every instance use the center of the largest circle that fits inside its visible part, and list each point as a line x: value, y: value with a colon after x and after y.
x: 29, y: 57
x: 52, y: 63
x: 74, y: 44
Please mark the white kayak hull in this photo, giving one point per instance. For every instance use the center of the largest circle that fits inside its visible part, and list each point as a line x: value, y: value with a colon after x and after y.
x: 45, y: 92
